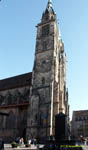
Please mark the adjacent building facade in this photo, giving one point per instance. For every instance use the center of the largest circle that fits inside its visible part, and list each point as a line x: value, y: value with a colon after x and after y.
x: 79, y: 125
x: 32, y: 100
x: 14, y: 101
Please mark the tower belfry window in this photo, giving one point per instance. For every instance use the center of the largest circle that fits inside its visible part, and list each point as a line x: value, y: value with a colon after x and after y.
x: 45, y: 30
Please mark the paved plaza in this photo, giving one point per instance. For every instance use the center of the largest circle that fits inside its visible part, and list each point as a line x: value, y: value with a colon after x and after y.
x: 8, y: 147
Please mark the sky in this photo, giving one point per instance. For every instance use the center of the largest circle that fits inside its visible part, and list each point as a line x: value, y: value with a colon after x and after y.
x: 18, y: 20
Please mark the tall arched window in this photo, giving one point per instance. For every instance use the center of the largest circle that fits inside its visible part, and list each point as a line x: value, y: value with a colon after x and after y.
x: 11, y: 121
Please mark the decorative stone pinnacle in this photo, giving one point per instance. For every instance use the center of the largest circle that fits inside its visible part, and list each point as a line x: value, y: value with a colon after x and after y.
x: 50, y: 1
x: 49, y: 5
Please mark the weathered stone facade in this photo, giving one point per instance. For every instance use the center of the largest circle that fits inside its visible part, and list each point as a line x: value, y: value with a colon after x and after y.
x: 79, y: 124
x: 48, y: 95
x: 32, y: 100
x: 14, y: 101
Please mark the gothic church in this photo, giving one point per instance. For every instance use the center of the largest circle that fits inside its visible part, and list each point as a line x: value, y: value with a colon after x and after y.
x: 31, y: 101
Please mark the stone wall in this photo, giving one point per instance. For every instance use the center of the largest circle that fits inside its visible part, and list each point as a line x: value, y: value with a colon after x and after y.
x: 15, y: 103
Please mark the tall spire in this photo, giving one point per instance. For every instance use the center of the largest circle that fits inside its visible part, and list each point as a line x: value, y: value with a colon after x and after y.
x: 49, y: 7
x: 49, y: 13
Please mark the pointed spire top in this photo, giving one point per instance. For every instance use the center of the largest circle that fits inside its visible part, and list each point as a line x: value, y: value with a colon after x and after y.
x: 49, y: 13
x: 49, y: 5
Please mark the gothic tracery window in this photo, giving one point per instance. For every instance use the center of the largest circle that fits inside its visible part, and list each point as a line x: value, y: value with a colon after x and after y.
x: 45, y: 30
x: 11, y: 121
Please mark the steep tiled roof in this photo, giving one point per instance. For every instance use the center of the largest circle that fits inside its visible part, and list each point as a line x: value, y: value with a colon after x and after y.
x: 16, y: 81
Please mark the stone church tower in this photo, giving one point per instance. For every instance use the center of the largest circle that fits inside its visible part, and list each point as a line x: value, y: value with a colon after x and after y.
x: 48, y: 95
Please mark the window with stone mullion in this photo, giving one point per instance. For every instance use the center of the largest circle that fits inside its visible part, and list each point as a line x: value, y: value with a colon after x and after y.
x: 45, y: 30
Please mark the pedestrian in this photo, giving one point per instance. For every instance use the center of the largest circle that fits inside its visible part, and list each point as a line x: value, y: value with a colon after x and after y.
x: 22, y: 141
x: 32, y: 141
x: 29, y: 141
x: 17, y: 140
x: 35, y: 141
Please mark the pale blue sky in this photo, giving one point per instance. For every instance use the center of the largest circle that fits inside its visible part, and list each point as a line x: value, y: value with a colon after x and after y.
x: 18, y: 19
